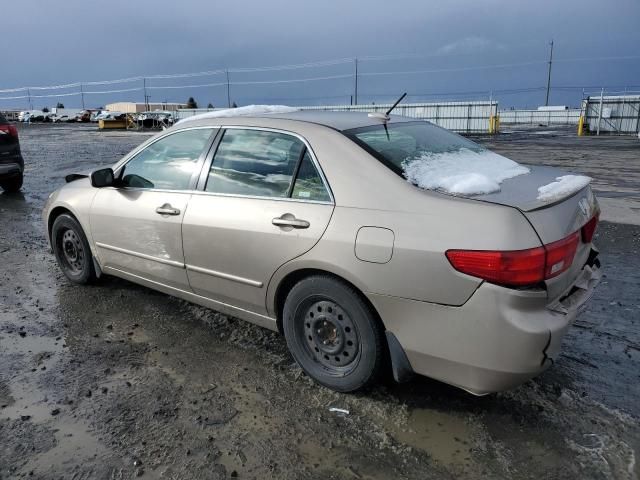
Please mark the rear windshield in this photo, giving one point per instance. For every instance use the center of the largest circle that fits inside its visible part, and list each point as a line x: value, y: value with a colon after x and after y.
x: 401, y: 142
x: 2, y: 119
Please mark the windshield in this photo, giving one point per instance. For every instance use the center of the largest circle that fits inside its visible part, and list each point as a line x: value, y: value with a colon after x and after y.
x: 433, y: 158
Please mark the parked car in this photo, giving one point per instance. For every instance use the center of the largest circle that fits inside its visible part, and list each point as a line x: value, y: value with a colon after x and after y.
x: 305, y: 223
x: 106, y: 115
x: 11, y: 162
x: 83, y: 117
x: 31, y: 116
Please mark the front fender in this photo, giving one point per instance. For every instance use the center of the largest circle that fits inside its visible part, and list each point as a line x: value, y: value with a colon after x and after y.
x: 75, y: 200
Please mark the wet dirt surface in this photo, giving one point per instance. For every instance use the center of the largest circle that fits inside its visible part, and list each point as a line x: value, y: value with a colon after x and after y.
x: 117, y: 381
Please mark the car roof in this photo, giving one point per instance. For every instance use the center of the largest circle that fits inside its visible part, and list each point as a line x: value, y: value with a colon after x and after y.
x: 337, y: 120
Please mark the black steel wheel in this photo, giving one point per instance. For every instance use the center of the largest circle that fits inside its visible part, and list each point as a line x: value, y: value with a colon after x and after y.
x: 333, y: 334
x: 330, y: 334
x: 71, y: 249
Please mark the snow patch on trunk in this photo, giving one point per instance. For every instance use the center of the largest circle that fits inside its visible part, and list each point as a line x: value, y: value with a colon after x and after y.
x: 242, y: 111
x: 463, y: 172
x: 562, y: 187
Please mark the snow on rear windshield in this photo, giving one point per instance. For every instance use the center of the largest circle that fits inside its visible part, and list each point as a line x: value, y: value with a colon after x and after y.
x: 435, y: 159
x: 462, y: 172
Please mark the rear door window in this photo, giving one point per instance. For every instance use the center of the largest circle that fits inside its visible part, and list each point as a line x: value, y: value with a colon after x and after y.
x: 309, y: 184
x: 261, y: 163
x: 254, y: 163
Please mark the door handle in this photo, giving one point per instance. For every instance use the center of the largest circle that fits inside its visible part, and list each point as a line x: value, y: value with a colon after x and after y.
x: 288, y: 220
x: 167, y: 209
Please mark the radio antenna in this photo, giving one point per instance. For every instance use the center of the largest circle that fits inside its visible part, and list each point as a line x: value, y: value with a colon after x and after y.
x: 395, y: 104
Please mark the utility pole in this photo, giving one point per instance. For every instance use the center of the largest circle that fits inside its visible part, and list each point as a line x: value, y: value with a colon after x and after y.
x: 356, y: 86
x: 228, y: 91
x: 82, y: 96
x: 146, y: 97
x: 29, y: 95
x: 546, y: 102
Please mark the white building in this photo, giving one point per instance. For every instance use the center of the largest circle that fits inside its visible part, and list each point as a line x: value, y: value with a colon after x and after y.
x: 132, y: 107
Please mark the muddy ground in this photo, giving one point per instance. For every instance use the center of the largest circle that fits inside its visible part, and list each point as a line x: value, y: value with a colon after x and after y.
x: 116, y: 381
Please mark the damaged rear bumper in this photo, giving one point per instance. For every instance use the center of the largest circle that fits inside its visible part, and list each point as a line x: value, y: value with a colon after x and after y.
x: 497, y: 340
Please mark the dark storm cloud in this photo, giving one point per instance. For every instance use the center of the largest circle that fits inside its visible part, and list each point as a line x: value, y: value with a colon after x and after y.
x: 76, y: 40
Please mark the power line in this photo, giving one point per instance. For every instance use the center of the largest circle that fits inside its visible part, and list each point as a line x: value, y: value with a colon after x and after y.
x: 171, y: 87
x: 457, y: 69
x: 311, y: 79
x: 318, y: 64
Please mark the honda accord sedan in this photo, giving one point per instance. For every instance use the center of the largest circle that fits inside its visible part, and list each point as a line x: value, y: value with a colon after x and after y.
x: 372, y: 242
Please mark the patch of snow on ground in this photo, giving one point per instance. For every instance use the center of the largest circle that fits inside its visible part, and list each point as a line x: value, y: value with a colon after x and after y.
x: 563, y: 186
x: 242, y: 111
x: 464, y: 172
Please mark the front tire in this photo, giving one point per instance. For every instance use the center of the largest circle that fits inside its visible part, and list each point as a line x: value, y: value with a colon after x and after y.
x: 13, y: 185
x: 72, y: 250
x: 333, y: 334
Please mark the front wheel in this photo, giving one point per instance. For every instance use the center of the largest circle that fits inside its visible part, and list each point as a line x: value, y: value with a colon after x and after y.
x: 71, y: 249
x: 333, y: 334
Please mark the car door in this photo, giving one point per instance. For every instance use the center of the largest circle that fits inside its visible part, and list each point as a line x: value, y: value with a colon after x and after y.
x: 136, y: 226
x: 263, y: 202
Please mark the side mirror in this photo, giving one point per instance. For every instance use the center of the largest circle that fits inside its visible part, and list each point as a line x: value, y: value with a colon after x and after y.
x: 102, y: 178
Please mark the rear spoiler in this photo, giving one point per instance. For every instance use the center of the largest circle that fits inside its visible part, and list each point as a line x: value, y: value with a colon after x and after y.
x: 75, y: 176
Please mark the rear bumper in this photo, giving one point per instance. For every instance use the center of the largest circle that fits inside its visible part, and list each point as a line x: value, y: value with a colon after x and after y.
x: 11, y: 168
x: 497, y: 340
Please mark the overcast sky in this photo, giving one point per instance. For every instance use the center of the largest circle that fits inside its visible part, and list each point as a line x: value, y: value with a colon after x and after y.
x: 55, y: 42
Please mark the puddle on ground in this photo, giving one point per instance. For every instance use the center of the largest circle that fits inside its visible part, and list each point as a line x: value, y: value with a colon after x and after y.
x: 41, y: 353
x: 446, y: 438
x: 73, y: 444
x: 30, y: 344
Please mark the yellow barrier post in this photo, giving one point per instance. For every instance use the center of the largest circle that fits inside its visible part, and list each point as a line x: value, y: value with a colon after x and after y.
x: 494, y: 124
x: 581, y: 126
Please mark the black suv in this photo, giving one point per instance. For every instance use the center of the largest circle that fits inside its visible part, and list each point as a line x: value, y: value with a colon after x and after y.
x: 11, y: 162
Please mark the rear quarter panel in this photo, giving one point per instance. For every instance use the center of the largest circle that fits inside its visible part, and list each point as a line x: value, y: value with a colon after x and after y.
x: 418, y: 268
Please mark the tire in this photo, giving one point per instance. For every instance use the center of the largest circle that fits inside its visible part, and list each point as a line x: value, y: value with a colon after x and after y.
x: 13, y: 185
x: 72, y: 250
x: 333, y: 334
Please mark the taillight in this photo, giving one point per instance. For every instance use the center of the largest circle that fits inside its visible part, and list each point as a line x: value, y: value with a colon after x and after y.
x: 589, y: 229
x: 517, y: 267
x: 9, y: 129
x: 560, y: 255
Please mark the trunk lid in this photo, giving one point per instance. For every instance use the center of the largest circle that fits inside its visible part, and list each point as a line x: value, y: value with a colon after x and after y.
x: 522, y: 191
x: 552, y: 220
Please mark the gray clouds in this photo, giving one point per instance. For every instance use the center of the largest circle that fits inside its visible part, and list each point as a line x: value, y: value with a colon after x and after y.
x: 78, y: 40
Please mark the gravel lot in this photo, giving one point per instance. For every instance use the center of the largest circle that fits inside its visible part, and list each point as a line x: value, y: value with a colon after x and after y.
x: 117, y: 381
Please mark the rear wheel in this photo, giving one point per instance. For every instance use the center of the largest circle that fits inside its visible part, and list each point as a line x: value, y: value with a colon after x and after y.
x: 333, y: 334
x: 12, y: 185
x: 71, y: 249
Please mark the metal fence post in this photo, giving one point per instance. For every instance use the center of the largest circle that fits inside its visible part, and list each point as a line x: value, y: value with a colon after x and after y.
x: 600, y: 111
